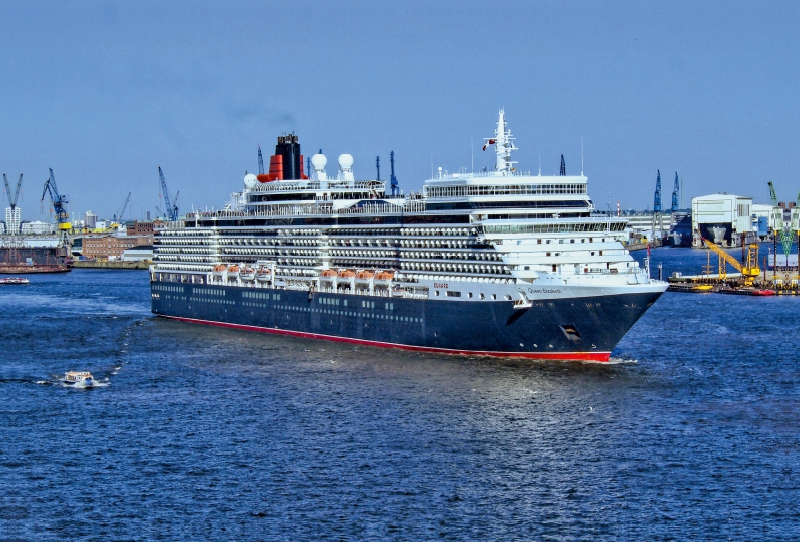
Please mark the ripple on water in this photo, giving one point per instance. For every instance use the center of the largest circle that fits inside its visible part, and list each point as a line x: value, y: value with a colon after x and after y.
x: 689, y: 432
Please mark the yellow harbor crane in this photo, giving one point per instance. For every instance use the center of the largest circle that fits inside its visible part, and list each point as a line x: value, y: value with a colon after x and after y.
x: 750, y: 271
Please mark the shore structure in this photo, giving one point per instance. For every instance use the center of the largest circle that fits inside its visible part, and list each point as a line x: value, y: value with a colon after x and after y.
x: 498, y: 262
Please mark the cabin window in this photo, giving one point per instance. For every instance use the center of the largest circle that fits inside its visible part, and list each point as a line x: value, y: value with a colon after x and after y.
x: 469, y: 295
x: 538, y: 241
x: 590, y: 239
x: 601, y: 253
x: 437, y: 292
x: 507, y: 297
x: 554, y: 269
x: 527, y: 268
x: 572, y: 241
x: 451, y: 293
x: 548, y: 254
x: 494, y: 296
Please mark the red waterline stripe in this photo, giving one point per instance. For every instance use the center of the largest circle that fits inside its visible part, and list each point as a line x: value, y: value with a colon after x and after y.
x: 578, y: 356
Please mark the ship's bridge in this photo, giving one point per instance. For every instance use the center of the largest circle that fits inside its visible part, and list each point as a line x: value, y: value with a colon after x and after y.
x: 545, y: 196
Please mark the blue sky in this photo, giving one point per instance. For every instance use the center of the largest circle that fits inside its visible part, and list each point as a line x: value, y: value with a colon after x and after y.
x: 104, y: 92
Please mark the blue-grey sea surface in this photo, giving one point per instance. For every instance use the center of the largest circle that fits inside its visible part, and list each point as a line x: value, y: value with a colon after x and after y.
x: 201, y: 433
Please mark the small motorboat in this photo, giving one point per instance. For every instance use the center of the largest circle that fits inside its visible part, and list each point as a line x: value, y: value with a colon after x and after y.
x: 14, y: 280
x: 702, y: 288
x: 762, y: 292
x: 79, y: 378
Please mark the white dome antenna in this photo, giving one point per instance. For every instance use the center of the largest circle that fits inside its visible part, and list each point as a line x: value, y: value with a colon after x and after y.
x: 318, y: 161
x: 346, y: 166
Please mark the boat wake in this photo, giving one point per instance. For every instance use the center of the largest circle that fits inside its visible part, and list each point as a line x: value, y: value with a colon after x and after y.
x: 620, y: 361
x: 81, y: 385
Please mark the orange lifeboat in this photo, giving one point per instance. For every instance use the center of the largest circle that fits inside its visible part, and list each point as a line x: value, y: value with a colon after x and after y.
x: 346, y: 274
x: 233, y: 271
x: 219, y: 270
x: 363, y: 277
x: 328, y: 275
x: 384, y: 277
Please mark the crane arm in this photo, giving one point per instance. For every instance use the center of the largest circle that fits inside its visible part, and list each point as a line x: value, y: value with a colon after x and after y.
x: 750, y: 271
x: 724, y: 255
x: 8, y: 190
x: 12, y: 199
x: 16, y: 193
x: 118, y: 214
x: 46, y: 190
x: 172, y: 212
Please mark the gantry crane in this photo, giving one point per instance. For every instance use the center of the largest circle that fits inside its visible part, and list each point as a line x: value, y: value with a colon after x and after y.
x: 62, y: 217
x: 749, y: 269
x: 171, y: 210
x: 675, y: 191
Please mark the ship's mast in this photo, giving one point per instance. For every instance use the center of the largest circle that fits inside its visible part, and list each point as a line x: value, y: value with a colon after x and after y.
x: 503, y: 146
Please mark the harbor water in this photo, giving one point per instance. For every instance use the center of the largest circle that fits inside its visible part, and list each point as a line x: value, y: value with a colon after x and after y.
x: 200, y: 433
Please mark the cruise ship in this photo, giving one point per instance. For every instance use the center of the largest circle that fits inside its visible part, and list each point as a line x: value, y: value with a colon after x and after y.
x: 497, y: 263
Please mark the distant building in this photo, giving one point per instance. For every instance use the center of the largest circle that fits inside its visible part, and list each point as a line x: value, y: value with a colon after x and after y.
x: 91, y: 220
x: 13, y: 220
x: 141, y: 228
x: 2, y: 228
x: 37, y: 227
x: 110, y: 246
x: 762, y: 219
x: 138, y: 254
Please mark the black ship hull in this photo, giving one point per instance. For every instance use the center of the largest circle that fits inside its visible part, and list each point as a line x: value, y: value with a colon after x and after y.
x: 574, y: 328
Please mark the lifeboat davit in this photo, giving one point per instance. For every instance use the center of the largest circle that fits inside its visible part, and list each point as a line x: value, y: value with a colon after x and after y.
x: 263, y: 274
x: 247, y: 273
x: 220, y: 270
x: 384, y: 278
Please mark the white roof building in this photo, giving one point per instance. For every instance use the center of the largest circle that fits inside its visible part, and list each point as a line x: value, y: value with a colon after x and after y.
x: 37, y: 227
x: 721, y: 218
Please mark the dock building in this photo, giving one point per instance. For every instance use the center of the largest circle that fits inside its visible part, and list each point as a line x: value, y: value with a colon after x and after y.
x: 110, y: 247
x: 721, y: 218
